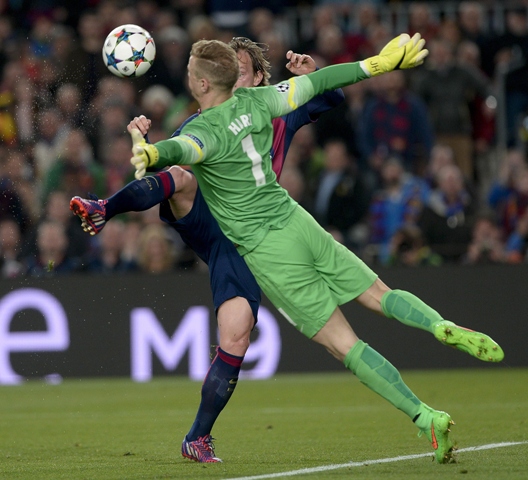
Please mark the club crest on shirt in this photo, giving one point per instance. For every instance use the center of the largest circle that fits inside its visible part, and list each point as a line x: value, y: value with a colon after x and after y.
x: 282, y: 87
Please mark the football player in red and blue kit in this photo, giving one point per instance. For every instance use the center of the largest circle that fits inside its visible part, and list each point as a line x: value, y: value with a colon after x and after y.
x: 236, y: 294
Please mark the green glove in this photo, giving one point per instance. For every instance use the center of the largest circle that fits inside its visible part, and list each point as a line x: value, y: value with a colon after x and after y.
x: 400, y: 53
x: 144, y: 154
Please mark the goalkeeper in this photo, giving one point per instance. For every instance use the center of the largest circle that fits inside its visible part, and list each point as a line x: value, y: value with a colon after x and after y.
x: 298, y: 265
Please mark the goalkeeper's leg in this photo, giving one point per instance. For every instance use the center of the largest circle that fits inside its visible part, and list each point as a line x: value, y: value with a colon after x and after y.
x: 378, y: 374
x: 411, y: 311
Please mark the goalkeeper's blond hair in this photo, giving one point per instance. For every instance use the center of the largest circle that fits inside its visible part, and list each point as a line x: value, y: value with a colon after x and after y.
x: 217, y: 62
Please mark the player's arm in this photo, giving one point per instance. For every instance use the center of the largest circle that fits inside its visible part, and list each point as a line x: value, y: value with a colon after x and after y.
x: 143, y: 124
x: 186, y: 149
x: 302, y: 64
x: 400, y: 53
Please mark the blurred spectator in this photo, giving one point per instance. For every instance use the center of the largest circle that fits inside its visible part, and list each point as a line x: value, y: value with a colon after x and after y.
x: 342, y: 198
x: 70, y: 104
x: 111, y: 123
x: 262, y: 21
x: 515, y: 205
x: 321, y: 17
x: 25, y: 111
x: 377, y: 37
x: 447, y: 89
x: 132, y: 232
x: 40, y: 36
x: 172, y: 53
x: 92, y: 34
x: 15, y: 167
x: 308, y: 153
x: 201, y: 27
x: 51, y: 257
x: 330, y: 47
x: 516, y: 241
x: 343, y: 121
x: 57, y: 210
x: 395, y: 123
x: 8, y: 128
x: 511, y: 165
x: 421, y: 21
x: 186, y: 11
x: 156, y: 251
x: 114, y: 90
x: 10, y: 249
x: 67, y: 58
x: 408, y: 249
x: 52, y: 133
x: 482, y: 117
x: 11, y: 203
x: 510, y: 51
x: 157, y: 103
x: 116, y: 163
x: 364, y: 18
x: 276, y: 55
x: 446, y: 220
x: 441, y: 155
x: 473, y: 26
x: 449, y: 31
x: 486, y: 244
x: 292, y: 181
x: 147, y: 12
x: 113, y: 13
x: 397, y: 203
x: 75, y: 170
x: 110, y: 256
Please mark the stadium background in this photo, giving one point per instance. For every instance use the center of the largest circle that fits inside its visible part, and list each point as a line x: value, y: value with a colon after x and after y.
x: 97, y: 337
x: 98, y: 309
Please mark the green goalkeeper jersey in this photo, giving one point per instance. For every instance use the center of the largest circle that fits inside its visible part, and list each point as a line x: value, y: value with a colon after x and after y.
x: 229, y: 147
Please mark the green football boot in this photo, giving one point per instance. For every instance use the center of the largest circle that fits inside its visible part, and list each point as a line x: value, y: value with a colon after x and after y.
x: 437, y: 433
x: 476, y: 344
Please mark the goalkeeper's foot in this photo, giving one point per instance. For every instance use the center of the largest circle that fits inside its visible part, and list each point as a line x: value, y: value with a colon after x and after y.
x: 91, y: 212
x: 436, y: 427
x: 477, y: 344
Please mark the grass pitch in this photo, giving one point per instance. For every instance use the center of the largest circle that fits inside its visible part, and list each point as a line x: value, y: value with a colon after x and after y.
x: 117, y: 429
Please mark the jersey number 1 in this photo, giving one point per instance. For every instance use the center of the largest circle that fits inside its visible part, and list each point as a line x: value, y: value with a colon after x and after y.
x: 256, y: 160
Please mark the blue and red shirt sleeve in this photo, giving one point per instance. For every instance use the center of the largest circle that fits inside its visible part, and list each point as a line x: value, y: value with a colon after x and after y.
x: 284, y: 127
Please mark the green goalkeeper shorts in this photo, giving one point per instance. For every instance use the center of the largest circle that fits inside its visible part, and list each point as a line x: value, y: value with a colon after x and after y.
x: 306, y: 274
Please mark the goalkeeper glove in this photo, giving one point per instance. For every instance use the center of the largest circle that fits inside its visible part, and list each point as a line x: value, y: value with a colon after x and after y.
x: 400, y: 53
x: 144, y: 154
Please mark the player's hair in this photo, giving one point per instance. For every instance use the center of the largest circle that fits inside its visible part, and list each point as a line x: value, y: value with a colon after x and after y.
x: 257, y: 53
x: 217, y: 62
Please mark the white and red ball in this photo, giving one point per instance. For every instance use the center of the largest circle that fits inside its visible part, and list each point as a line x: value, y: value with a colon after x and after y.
x: 129, y: 51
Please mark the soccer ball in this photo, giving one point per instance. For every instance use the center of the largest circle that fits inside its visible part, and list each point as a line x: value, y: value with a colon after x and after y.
x: 129, y: 51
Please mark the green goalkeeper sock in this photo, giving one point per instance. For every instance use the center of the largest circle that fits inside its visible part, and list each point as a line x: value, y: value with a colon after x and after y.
x: 410, y: 310
x: 378, y: 374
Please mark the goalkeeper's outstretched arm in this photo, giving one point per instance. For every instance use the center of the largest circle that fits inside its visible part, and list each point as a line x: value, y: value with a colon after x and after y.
x: 402, y: 52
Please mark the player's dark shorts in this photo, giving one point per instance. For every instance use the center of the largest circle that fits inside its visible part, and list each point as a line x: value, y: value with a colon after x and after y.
x: 228, y: 273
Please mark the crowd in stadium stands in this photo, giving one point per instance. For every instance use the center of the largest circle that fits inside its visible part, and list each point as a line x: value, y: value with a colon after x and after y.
x: 410, y: 169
